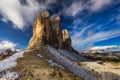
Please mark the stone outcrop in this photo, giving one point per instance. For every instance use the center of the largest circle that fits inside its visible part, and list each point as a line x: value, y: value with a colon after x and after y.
x: 49, y: 32
x: 66, y: 40
x: 57, y: 33
x: 6, y: 53
x: 42, y: 30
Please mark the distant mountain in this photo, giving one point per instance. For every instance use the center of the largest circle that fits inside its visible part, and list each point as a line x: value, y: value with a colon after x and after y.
x: 103, y: 49
x: 107, y: 53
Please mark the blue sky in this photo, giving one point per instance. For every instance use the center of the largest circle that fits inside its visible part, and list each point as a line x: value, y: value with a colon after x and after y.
x: 91, y: 23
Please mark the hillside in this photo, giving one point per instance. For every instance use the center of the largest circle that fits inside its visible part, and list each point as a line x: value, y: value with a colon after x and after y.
x: 36, y: 65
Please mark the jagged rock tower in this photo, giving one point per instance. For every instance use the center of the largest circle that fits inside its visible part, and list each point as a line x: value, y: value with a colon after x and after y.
x: 49, y: 32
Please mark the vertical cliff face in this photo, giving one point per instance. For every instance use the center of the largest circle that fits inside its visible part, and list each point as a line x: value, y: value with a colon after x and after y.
x: 66, y: 40
x: 57, y: 33
x: 49, y: 32
x: 42, y: 30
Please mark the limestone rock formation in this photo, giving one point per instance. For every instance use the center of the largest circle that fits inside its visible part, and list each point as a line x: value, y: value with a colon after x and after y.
x: 49, y: 32
x: 57, y: 33
x: 66, y: 40
x: 6, y: 53
x: 42, y: 30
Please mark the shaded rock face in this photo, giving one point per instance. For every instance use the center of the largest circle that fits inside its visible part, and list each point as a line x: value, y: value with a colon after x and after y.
x: 49, y: 32
x: 6, y: 53
x: 57, y: 33
x: 66, y: 40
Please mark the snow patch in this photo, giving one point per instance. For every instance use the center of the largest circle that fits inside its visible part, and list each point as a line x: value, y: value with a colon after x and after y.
x: 39, y: 55
x: 67, y: 54
x: 10, y: 62
x: 52, y: 63
x: 7, y: 75
x: 70, y: 65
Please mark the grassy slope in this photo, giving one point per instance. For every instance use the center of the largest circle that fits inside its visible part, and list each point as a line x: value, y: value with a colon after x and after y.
x: 33, y: 67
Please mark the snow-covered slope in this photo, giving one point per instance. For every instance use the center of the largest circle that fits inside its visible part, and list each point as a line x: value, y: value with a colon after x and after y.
x: 7, y: 75
x: 67, y: 63
x: 7, y: 64
x: 10, y: 62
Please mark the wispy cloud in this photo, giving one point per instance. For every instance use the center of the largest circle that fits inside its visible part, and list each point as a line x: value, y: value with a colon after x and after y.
x: 47, y: 2
x: 74, y: 8
x: 80, y: 32
x: 4, y: 20
x: 98, y: 4
x: 102, y: 27
x: 95, y: 32
x: 79, y: 38
x: 78, y: 6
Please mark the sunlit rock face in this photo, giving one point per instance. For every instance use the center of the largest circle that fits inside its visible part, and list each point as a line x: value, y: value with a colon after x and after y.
x: 42, y: 30
x: 49, y: 32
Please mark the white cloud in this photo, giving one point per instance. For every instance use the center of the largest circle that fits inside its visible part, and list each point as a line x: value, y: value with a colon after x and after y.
x: 105, y: 47
x: 81, y: 32
x: 98, y: 4
x: 74, y: 8
x: 7, y: 45
x: 4, y: 20
x: 20, y: 15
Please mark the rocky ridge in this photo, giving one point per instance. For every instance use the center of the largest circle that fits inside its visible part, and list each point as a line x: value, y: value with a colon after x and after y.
x: 48, y: 32
x: 6, y: 53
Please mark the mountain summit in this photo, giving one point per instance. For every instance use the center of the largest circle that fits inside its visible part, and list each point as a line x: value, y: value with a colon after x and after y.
x: 49, y: 32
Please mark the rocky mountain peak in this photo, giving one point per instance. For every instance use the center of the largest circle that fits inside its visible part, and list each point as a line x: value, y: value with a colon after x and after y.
x: 66, y: 40
x: 49, y: 32
x: 65, y: 34
x: 57, y: 18
x: 46, y: 14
